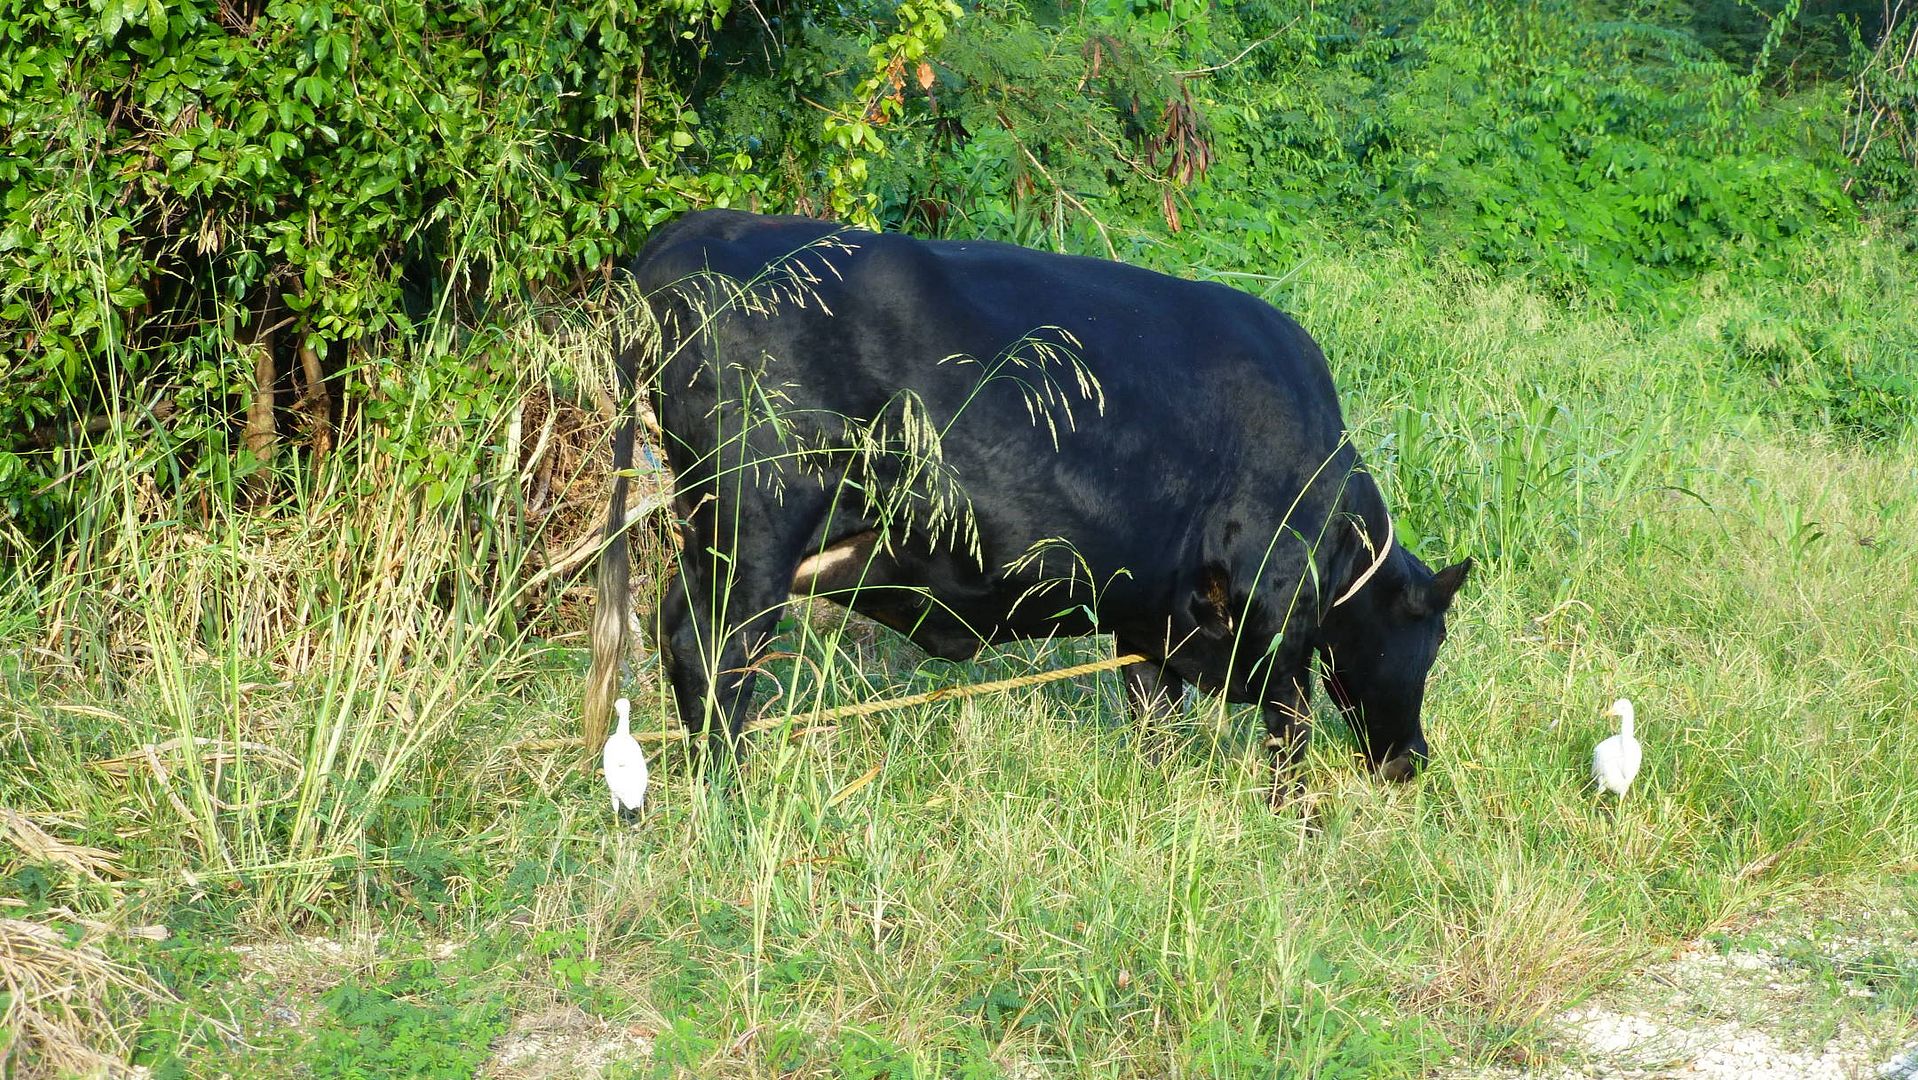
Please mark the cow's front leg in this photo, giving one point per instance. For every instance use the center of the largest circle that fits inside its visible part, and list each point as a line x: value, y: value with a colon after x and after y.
x: 1288, y: 731
x: 1153, y: 694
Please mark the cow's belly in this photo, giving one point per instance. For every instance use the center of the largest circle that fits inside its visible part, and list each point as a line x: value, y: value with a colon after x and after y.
x: 1053, y: 567
x: 949, y: 607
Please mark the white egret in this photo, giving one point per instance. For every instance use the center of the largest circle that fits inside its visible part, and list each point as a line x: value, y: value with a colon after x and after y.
x: 625, y: 765
x: 1615, y: 761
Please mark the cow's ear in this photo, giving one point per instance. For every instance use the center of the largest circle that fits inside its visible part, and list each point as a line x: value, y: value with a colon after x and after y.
x: 1435, y: 596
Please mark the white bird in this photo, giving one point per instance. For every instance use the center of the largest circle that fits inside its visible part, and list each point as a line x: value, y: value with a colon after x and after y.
x: 1615, y: 761
x: 625, y: 765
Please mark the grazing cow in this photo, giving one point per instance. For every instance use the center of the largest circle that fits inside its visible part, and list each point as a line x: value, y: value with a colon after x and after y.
x: 976, y: 442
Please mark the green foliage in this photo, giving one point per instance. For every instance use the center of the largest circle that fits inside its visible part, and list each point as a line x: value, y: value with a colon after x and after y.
x: 1613, y: 155
x: 1814, y: 45
x: 182, y: 178
x: 1881, y: 135
x: 1604, y: 155
x: 879, y: 98
x: 863, y: 1056
x: 185, y: 1036
x: 415, y: 1022
x: 1824, y: 376
x: 1607, y: 156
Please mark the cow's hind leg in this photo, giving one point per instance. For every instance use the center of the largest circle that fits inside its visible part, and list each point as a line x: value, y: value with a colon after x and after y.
x: 718, y: 614
x: 681, y: 650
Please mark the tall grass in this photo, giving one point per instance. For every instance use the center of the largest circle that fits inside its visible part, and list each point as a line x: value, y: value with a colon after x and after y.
x: 355, y: 709
x: 276, y: 682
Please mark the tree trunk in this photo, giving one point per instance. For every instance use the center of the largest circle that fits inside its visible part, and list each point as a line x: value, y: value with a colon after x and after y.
x: 261, y: 432
x: 318, y: 404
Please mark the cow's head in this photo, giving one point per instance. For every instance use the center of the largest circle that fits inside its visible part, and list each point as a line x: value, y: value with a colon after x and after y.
x: 1379, y: 646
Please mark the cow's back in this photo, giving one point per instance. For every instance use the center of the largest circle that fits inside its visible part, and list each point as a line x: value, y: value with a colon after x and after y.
x: 1192, y: 367
x: 1144, y: 420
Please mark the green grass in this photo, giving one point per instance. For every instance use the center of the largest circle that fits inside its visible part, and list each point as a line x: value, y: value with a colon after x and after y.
x: 1022, y: 890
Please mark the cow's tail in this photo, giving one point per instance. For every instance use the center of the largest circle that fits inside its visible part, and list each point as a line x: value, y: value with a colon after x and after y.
x: 613, y: 614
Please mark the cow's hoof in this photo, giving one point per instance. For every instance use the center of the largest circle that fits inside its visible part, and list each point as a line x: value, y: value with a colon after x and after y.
x: 1400, y: 769
x: 1310, y: 806
x: 1286, y: 796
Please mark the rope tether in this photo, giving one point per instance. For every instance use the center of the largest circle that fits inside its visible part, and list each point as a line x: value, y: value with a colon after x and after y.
x: 944, y: 693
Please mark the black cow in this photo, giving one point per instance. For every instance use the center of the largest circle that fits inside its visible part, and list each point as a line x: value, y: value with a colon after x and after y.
x: 974, y: 442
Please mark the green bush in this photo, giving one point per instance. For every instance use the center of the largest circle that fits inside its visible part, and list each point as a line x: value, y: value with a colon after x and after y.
x: 1606, y: 156
x: 208, y: 197
x: 1601, y: 154
x: 189, y: 184
x: 203, y: 197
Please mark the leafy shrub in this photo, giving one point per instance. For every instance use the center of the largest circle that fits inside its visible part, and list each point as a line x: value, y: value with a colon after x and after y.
x: 207, y: 195
x: 216, y: 215
x: 1605, y: 155
x: 1601, y: 155
x: 1881, y: 135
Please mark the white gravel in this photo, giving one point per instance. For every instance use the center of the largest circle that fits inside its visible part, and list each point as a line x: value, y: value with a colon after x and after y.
x: 1706, y: 1015
x: 1626, y: 1045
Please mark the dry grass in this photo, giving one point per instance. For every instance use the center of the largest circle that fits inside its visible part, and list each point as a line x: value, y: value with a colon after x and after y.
x: 67, y: 1008
x: 1515, y: 951
x: 38, y: 845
